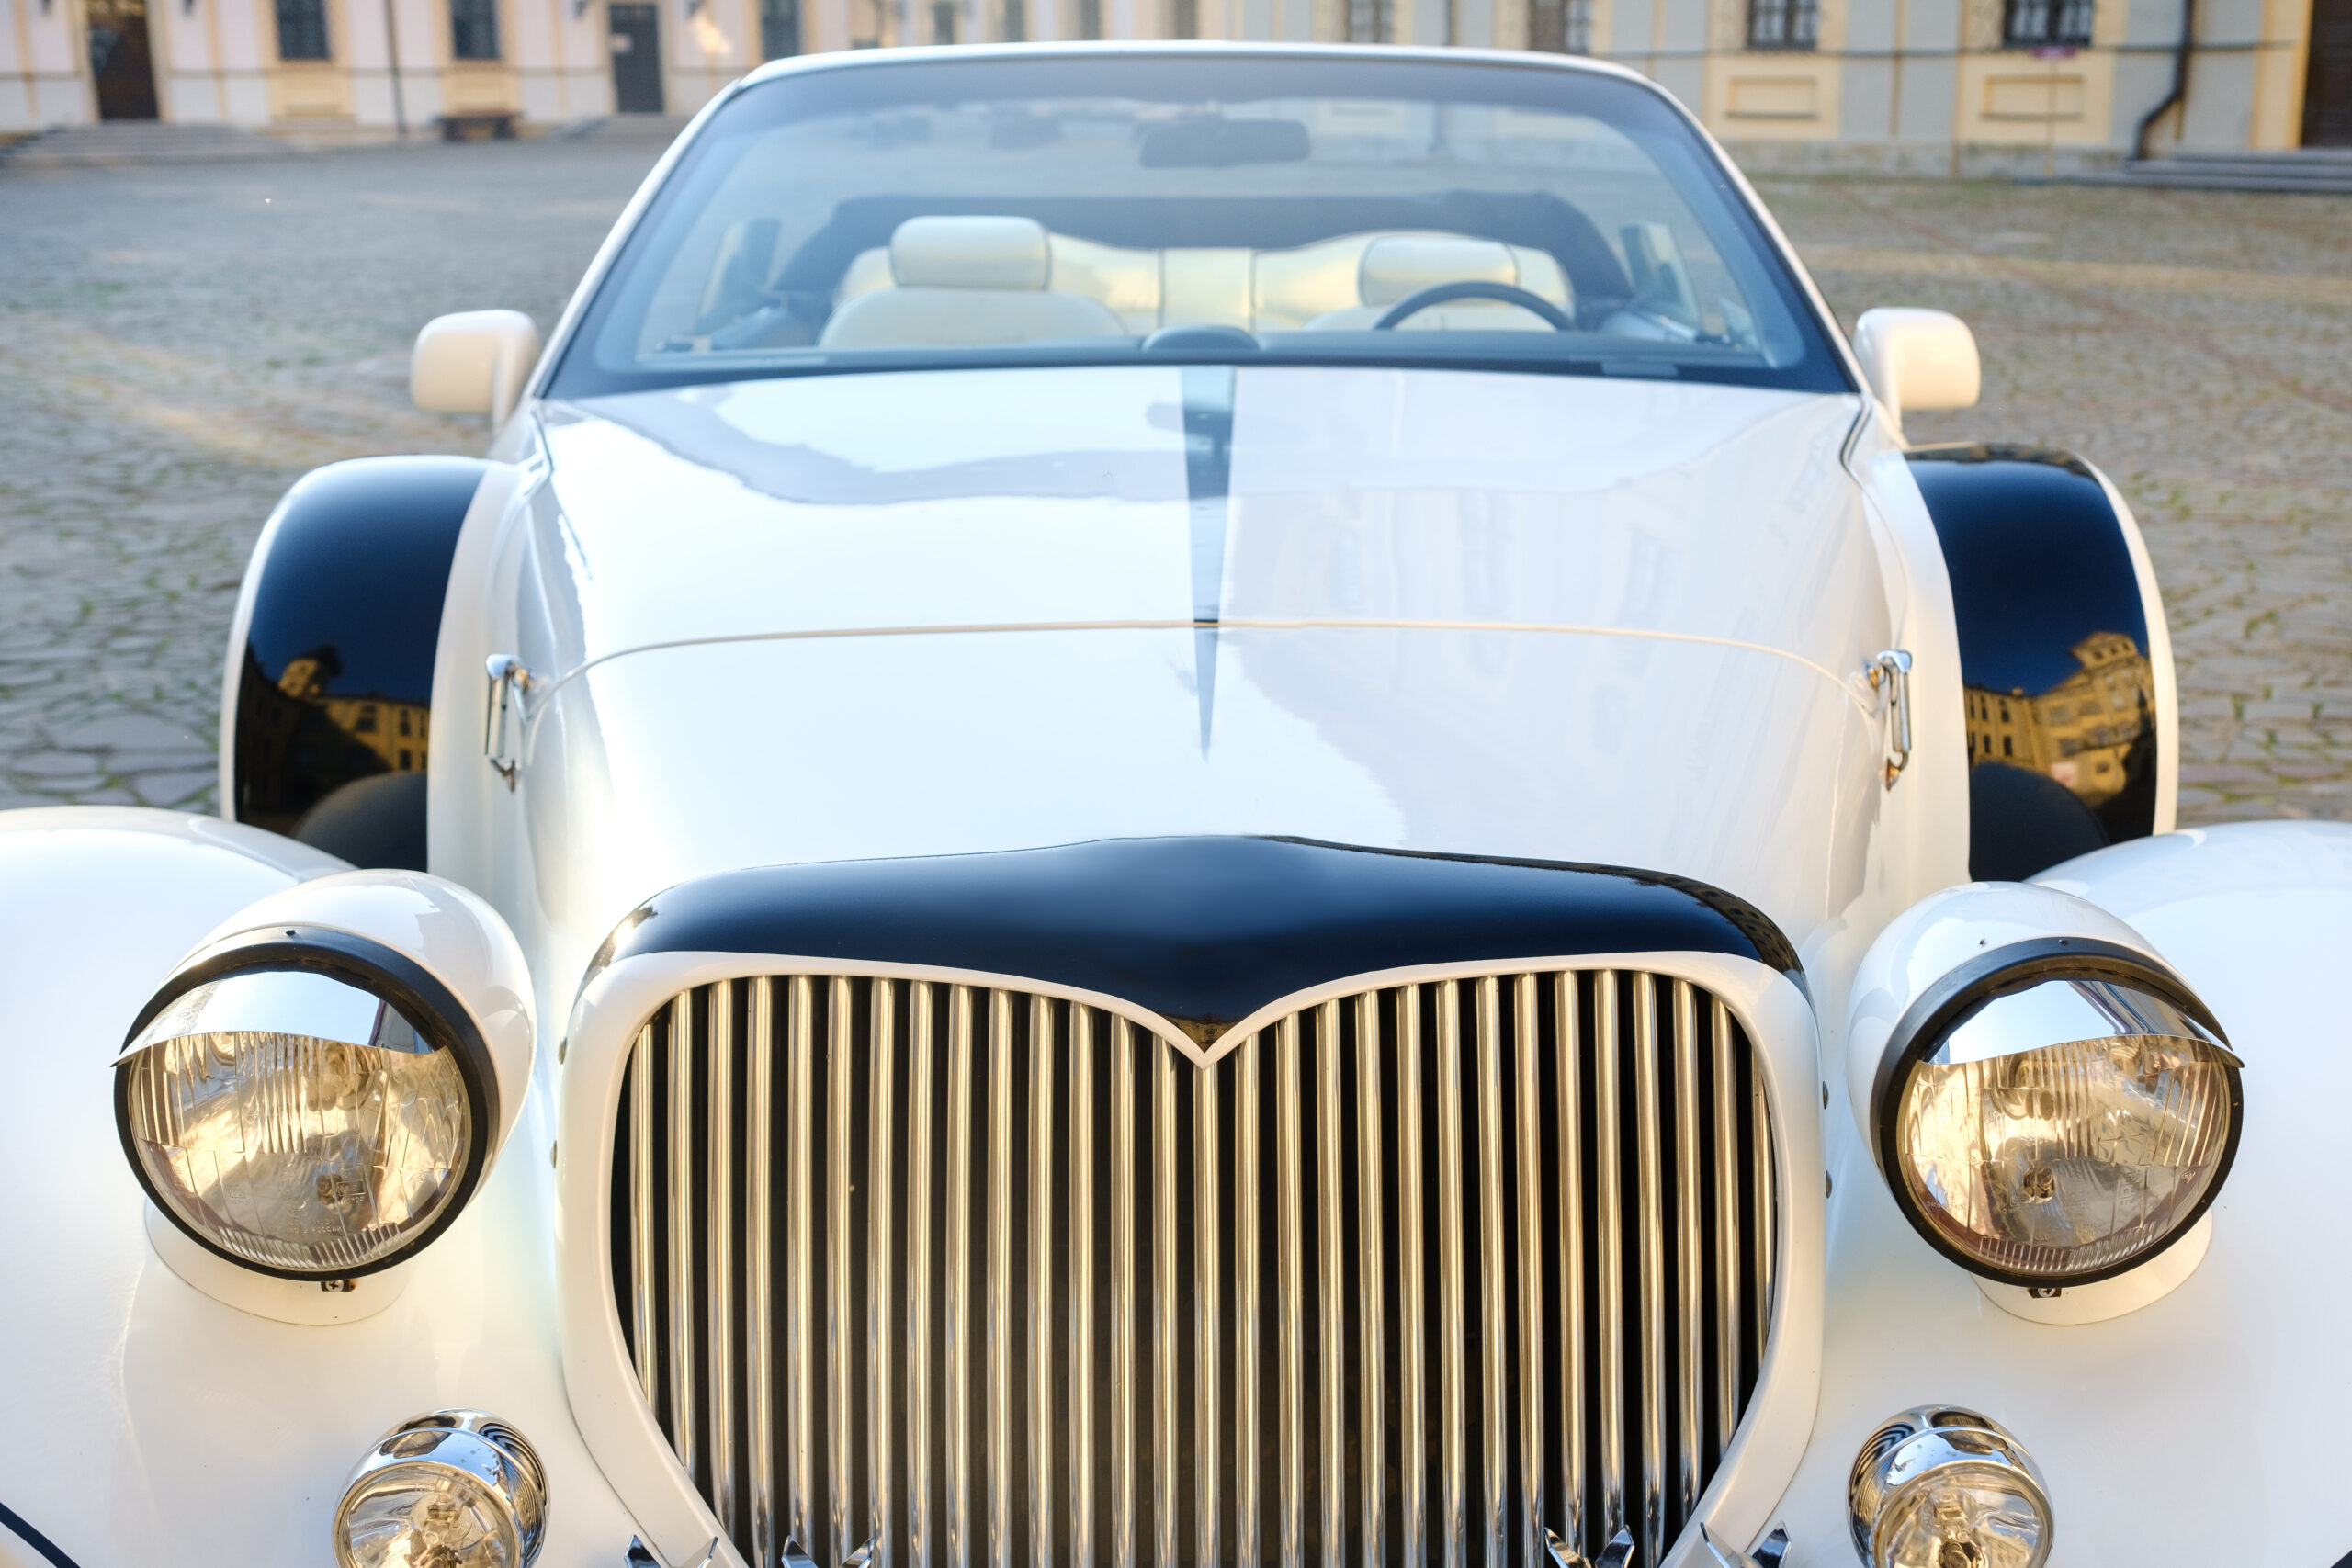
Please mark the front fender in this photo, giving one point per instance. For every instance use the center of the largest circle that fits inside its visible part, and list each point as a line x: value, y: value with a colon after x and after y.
x: 2201, y: 1428
x: 150, y: 1423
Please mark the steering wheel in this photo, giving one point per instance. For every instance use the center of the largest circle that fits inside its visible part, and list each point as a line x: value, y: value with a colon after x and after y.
x: 1420, y: 300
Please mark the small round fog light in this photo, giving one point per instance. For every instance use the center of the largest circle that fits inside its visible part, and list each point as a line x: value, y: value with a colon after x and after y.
x: 1938, y: 1487
x: 454, y: 1489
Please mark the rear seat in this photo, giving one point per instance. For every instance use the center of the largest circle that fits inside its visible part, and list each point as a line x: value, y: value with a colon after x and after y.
x: 1345, y: 282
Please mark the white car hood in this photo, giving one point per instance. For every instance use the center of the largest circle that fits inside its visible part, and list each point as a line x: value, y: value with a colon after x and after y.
x: 1616, y: 621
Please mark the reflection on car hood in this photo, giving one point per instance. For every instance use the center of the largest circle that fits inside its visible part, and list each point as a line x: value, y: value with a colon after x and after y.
x: 1600, y: 620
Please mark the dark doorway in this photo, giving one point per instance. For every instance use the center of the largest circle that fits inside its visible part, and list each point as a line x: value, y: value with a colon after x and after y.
x: 120, y: 63
x: 2327, y: 90
x: 637, y: 58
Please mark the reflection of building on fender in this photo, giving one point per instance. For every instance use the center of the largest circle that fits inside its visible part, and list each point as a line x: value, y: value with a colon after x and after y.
x: 2088, y: 732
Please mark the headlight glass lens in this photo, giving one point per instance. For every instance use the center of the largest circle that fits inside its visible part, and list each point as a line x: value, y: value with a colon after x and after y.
x: 1979, y: 1521
x: 2053, y: 1161
x: 296, y: 1120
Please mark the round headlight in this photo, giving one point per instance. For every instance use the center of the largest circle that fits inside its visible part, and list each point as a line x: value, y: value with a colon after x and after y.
x: 1945, y: 1488
x: 307, y: 1103
x: 456, y: 1487
x: 2056, y: 1112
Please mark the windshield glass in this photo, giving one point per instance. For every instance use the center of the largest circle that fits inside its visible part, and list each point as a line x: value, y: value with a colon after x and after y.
x: 1083, y: 208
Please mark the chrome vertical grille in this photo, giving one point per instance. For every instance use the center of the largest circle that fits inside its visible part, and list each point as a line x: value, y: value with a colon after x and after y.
x: 1470, y: 1273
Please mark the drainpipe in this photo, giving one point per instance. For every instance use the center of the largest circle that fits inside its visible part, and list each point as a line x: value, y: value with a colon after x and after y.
x: 392, y: 64
x: 2179, y: 94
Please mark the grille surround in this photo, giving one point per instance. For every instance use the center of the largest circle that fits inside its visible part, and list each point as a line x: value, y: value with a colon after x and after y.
x: 1741, y: 1489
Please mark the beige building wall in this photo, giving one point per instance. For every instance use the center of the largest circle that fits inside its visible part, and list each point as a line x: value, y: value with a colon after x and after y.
x: 1857, y: 98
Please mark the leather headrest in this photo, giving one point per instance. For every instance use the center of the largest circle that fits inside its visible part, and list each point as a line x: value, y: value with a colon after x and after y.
x: 1402, y: 265
x: 970, y: 252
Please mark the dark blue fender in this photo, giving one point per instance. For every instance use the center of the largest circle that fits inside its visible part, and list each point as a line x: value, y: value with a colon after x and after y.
x: 329, y: 688
x: 2063, y: 741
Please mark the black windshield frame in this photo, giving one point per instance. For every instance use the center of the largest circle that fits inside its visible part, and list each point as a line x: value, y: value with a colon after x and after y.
x: 1176, y: 75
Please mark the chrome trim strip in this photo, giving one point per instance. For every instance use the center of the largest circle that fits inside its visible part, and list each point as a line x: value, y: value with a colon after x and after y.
x: 718, y: 1244
x: 683, y: 1436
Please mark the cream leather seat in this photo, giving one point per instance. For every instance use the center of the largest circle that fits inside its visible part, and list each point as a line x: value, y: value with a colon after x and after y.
x: 967, y: 282
x: 1398, y: 267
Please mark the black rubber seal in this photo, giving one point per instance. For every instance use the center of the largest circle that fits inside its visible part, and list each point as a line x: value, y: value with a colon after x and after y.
x: 430, y: 1007
x: 16, y: 1525
x: 2004, y: 971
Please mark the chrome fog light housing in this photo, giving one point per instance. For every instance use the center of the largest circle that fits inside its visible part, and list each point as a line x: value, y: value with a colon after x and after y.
x: 2056, y: 1112
x: 1941, y: 1487
x: 307, y: 1103
x: 452, y: 1489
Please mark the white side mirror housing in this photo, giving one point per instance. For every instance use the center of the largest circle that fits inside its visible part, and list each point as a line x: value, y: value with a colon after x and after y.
x: 1917, y: 359
x: 474, y: 362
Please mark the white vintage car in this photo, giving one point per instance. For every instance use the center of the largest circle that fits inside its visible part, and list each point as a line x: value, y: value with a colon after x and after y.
x: 1183, y: 805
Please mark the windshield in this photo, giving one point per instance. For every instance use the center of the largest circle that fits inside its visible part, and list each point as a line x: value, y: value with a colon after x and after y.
x: 1086, y: 207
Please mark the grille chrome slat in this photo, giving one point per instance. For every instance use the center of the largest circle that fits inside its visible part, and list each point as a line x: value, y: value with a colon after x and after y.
x: 718, y: 1241
x: 1330, y: 1261
x: 955, y: 1284
x: 758, y: 1302
x: 800, y: 1300
x: 1650, y: 1259
x: 997, y: 1327
x: 1690, y: 1354
x: 682, y: 1410
x: 1452, y: 1405
x: 1041, y: 1281
x: 1371, y: 1345
x: 881, y: 1206
x: 1494, y: 1273
x: 840, y: 1301
x: 1469, y: 1194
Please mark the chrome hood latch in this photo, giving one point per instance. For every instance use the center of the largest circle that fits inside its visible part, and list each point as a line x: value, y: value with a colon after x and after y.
x: 508, y: 682
x: 1891, y: 672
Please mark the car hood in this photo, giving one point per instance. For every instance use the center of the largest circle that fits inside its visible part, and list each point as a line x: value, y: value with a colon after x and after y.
x: 1602, y: 620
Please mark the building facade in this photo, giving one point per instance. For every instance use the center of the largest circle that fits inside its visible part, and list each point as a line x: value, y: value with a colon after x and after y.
x: 1923, y: 85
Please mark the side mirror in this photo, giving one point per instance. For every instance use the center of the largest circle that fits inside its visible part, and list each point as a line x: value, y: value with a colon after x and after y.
x: 474, y: 362
x: 1917, y: 359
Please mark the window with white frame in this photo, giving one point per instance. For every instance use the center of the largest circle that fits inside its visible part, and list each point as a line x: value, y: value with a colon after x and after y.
x: 1560, y: 27
x: 1783, y: 24
x: 2035, y: 24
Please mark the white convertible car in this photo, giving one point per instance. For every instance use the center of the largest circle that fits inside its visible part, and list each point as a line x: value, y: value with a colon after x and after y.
x: 1180, y: 806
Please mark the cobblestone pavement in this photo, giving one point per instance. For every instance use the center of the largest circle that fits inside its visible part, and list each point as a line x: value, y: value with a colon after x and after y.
x: 176, y: 346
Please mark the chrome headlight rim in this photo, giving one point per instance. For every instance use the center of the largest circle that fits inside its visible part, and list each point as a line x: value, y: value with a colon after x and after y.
x: 2005, y: 971
x: 429, y: 1007
x: 1910, y: 1449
